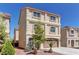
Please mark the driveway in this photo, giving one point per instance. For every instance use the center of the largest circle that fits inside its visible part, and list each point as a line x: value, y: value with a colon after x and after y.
x: 67, y: 51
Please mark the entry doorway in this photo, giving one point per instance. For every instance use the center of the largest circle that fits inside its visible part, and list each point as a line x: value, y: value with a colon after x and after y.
x: 30, y: 43
x: 72, y: 43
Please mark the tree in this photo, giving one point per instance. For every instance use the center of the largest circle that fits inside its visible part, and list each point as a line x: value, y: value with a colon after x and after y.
x: 12, y: 41
x: 7, y: 48
x: 2, y: 31
x: 39, y: 36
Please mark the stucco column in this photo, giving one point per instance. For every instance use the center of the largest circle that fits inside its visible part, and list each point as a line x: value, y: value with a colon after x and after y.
x: 59, y: 44
x: 70, y: 44
x: 75, y: 44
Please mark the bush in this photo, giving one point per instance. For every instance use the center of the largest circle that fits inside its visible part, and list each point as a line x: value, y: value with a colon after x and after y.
x: 1, y: 47
x: 7, y: 49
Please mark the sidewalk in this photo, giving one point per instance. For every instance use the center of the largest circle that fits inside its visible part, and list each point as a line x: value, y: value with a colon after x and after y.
x: 19, y: 52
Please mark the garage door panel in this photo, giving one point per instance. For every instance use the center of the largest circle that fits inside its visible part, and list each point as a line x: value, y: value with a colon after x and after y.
x: 46, y: 43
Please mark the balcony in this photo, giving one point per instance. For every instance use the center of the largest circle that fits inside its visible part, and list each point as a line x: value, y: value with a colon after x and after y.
x: 45, y: 22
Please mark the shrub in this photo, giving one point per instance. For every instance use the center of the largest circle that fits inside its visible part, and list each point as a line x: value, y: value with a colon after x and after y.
x: 7, y: 49
x: 1, y: 47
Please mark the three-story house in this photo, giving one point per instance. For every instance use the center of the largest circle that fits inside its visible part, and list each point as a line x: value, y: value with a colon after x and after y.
x: 50, y: 22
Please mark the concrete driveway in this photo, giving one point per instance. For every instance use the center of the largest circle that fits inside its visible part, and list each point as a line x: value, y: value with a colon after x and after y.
x: 67, y: 51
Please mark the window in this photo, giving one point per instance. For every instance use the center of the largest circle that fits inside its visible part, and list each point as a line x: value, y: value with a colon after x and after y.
x: 77, y: 41
x: 52, y: 18
x: 30, y: 43
x: 52, y: 29
x: 36, y: 14
x: 72, y: 32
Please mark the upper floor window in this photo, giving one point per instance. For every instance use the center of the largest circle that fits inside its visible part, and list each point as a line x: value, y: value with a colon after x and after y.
x: 53, y: 29
x: 36, y: 14
x: 72, y: 31
x: 52, y: 18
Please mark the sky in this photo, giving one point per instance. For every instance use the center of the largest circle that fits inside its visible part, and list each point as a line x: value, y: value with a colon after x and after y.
x: 69, y: 13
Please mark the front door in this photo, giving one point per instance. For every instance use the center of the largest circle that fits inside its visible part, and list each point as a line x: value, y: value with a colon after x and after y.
x: 30, y: 44
x: 72, y: 43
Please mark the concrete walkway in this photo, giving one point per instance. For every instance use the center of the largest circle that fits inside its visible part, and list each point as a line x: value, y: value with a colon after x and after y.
x: 67, y: 51
x: 40, y: 52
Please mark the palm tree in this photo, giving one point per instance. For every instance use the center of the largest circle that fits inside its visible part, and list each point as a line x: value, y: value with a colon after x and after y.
x: 50, y: 45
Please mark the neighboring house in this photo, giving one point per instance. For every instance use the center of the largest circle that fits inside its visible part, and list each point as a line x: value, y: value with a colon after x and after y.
x: 50, y: 22
x: 6, y: 20
x: 70, y: 37
x: 16, y: 37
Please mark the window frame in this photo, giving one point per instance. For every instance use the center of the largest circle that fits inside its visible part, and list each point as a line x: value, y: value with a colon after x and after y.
x: 52, y: 18
x: 72, y: 31
x: 36, y: 14
x: 52, y: 29
x: 77, y: 41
